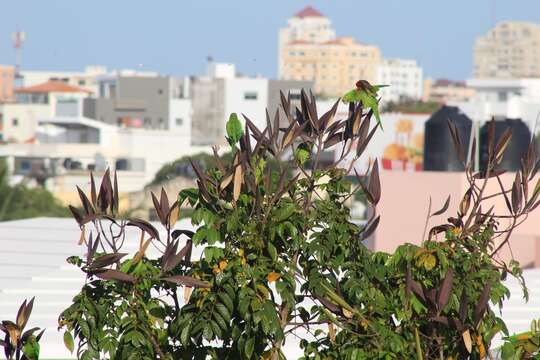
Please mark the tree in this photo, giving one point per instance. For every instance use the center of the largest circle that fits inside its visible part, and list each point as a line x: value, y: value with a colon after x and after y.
x: 21, y: 202
x: 280, y: 253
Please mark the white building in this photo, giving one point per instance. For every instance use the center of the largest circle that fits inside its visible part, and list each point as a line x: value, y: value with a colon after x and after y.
x: 508, y: 98
x: 218, y: 94
x: 68, y: 147
x: 19, y: 120
x: 404, y: 77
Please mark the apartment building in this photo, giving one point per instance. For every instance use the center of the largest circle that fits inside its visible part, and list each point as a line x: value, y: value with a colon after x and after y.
x: 510, y: 50
x: 309, y: 50
x: 404, y: 78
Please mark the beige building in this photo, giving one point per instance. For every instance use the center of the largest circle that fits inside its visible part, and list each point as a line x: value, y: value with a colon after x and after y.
x: 444, y: 91
x: 509, y: 50
x: 310, y: 50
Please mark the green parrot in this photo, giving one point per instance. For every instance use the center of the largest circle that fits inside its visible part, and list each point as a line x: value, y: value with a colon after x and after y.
x: 367, y: 94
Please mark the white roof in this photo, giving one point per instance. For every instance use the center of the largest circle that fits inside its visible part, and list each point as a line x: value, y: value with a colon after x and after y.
x: 33, y: 263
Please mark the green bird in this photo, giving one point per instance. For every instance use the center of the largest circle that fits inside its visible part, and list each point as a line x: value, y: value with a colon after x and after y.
x: 367, y: 94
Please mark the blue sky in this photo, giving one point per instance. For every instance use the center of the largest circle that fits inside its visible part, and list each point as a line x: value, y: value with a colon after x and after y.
x: 174, y: 37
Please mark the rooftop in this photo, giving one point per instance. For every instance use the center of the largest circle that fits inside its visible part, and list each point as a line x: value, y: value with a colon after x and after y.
x: 51, y: 86
x: 309, y: 11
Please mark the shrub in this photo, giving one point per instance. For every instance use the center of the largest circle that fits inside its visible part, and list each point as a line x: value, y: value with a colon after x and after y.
x: 280, y: 253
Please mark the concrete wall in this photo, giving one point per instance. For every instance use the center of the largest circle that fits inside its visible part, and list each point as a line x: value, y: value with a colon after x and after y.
x: 19, y: 121
x: 207, y: 126
x: 238, y: 93
x: 274, y: 98
x: 404, y: 206
x: 145, y: 98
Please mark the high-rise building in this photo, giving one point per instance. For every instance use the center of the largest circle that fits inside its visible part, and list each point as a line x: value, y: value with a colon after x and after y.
x: 310, y: 50
x: 509, y: 50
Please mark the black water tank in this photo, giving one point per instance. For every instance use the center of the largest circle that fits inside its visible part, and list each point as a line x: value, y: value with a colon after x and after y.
x: 516, y: 149
x: 439, y: 151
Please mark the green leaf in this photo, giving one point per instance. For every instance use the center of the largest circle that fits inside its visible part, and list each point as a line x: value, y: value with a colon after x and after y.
x: 226, y: 299
x: 207, y: 332
x: 184, y: 335
x: 248, y: 349
x: 272, y: 251
x: 191, y: 194
x: 222, y: 309
x: 284, y: 212
x: 68, y: 341
x: 212, y: 235
x: 234, y: 129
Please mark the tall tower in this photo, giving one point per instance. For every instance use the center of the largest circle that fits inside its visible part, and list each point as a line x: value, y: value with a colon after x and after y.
x: 18, y: 38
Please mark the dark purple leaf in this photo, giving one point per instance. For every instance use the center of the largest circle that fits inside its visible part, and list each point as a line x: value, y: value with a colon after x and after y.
x: 187, y: 281
x: 446, y: 289
x: 111, y: 274
x: 145, y: 226
x: 444, y: 208
x: 106, y: 260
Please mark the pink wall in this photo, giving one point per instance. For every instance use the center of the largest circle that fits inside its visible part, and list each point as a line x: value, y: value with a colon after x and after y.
x: 404, y: 205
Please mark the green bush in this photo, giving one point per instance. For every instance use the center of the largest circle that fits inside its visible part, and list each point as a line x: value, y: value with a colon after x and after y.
x: 280, y: 253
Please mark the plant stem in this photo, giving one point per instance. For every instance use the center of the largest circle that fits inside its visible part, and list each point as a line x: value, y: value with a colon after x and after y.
x: 419, y: 355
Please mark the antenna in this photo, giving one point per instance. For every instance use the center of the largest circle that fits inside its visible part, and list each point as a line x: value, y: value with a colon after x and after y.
x: 18, y: 38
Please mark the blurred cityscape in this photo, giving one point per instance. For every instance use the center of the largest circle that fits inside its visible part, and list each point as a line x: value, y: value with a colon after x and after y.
x: 56, y: 126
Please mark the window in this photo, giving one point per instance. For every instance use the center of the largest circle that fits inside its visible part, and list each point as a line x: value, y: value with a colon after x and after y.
x: 25, y: 165
x: 295, y: 96
x: 15, y: 122
x: 250, y: 95
x: 179, y: 121
x: 82, y: 82
x: 160, y: 91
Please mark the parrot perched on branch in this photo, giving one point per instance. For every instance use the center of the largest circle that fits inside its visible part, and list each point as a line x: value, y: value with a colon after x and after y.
x: 367, y: 94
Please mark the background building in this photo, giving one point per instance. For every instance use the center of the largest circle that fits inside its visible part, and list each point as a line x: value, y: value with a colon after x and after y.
x: 309, y: 50
x: 153, y: 102
x: 404, y: 77
x: 19, y: 119
x: 7, y: 78
x: 503, y: 98
x: 509, y: 50
x: 222, y: 91
x: 444, y: 91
